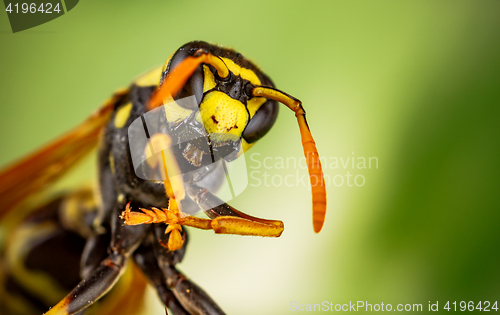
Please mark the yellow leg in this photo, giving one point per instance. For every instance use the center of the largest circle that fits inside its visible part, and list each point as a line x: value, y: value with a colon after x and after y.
x: 244, y: 225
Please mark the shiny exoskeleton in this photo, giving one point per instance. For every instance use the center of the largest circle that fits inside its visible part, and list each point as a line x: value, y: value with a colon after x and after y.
x: 93, y: 245
x: 84, y: 240
x: 52, y: 239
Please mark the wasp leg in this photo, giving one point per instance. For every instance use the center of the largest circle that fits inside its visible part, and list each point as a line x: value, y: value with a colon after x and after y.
x: 146, y: 259
x: 207, y: 200
x: 79, y: 213
x: 93, y: 287
x: 228, y: 220
x: 124, y: 240
x: 191, y: 296
x: 94, y: 252
x: 225, y: 224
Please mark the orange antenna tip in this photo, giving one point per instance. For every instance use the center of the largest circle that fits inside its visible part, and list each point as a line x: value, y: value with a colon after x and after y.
x: 316, y: 178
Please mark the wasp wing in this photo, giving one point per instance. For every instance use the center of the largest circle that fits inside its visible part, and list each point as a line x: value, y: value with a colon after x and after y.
x: 32, y: 173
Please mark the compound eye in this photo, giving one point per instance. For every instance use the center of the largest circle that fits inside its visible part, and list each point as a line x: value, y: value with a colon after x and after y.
x: 193, y: 86
x: 261, y: 122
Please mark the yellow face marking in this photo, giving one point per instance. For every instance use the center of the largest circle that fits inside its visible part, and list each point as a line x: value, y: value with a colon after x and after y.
x: 209, y: 82
x: 122, y: 115
x: 245, y: 145
x: 254, y: 104
x: 223, y: 115
x: 244, y: 73
x: 174, y: 112
x: 149, y: 78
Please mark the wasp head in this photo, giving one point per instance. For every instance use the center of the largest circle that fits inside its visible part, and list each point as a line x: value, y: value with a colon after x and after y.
x: 221, y: 105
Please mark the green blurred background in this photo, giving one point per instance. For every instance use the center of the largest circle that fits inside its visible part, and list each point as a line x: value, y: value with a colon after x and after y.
x: 414, y: 84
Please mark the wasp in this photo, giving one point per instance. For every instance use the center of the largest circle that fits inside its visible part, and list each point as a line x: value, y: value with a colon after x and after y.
x: 162, y: 144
